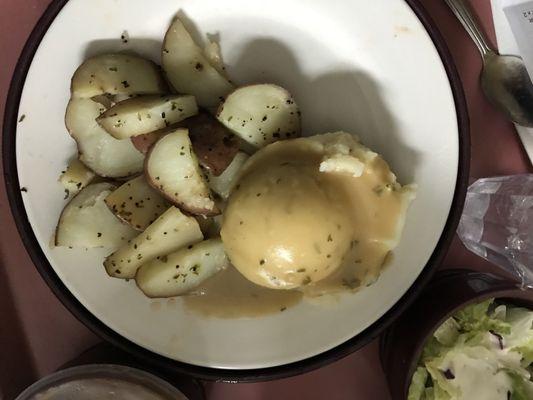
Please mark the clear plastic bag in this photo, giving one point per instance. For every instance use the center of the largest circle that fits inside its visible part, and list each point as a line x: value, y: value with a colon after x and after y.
x: 497, y: 223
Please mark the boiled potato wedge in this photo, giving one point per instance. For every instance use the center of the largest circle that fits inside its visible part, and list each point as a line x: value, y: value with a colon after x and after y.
x: 137, y: 203
x: 188, y: 69
x: 214, y: 56
x: 182, y: 271
x: 223, y: 184
x: 76, y: 177
x: 109, y: 100
x: 105, y: 100
x: 117, y: 74
x: 212, y: 143
x: 171, y: 231
x: 172, y: 168
x: 144, y: 114
x: 87, y: 222
x: 99, y: 151
x: 261, y: 114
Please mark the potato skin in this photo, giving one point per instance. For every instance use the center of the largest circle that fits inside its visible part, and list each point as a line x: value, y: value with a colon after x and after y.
x: 144, y: 142
x: 214, y: 145
x: 183, y: 206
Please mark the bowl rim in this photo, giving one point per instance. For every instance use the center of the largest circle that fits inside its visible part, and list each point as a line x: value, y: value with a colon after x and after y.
x: 118, y: 372
x: 228, y: 375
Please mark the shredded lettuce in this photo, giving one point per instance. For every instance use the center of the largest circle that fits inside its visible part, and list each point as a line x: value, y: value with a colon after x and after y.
x: 521, y: 323
x: 475, y: 318
x: 520, y: 339
x: 472, y: 314
x: 480, y: 338
x: 522, y: 388
x: 440, y: 394
x: 418, y: 384
x: 448, y: 332
x: 440, y: 382
x: 432, y: 349
x: 526, y: 350
x: 500, y: 312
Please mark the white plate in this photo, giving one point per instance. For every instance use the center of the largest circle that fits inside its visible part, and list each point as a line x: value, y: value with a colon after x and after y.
x: 368, y: 67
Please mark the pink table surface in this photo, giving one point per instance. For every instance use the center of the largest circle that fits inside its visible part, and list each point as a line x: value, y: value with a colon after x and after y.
x: 38, y: 334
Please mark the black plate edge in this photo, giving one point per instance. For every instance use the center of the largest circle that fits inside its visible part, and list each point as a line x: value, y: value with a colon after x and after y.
x: 227, y: 375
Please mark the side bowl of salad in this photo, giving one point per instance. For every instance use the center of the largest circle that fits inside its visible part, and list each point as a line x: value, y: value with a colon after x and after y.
x: 468, y: 336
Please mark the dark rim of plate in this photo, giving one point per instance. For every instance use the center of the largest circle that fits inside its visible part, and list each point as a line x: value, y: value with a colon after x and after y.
x: 229, y: 375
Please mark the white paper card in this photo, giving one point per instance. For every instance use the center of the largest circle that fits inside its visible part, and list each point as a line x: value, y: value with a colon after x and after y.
x: 508, y: 45
x: 519, y: 13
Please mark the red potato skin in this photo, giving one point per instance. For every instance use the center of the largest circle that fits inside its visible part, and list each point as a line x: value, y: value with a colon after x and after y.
x: 214, y: 146
x: 144, y: 142
x: 203, y: 223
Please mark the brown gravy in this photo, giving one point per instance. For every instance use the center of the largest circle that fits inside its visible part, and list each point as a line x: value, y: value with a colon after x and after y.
x: 230, y: 295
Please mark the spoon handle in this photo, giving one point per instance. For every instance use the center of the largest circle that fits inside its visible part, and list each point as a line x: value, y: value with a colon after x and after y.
x: 465, y: 16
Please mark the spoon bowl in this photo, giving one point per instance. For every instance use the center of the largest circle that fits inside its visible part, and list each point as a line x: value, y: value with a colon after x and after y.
x: 504, y: 79
x: 506, y: 83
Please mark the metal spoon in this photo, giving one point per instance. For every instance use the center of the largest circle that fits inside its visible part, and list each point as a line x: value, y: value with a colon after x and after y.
x: 504, y: 79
